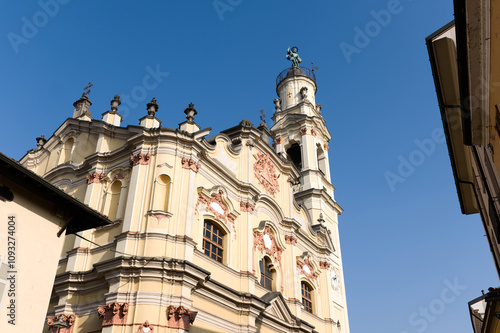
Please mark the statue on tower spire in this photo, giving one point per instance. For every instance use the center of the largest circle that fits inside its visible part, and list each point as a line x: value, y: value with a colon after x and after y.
x: 293, y: 56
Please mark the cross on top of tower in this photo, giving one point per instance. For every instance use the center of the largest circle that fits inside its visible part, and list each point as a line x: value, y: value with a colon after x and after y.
x: 263, y: 116
x: 87, y: 89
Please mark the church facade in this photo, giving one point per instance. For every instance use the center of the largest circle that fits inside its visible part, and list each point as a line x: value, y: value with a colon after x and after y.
x: 233, y: 233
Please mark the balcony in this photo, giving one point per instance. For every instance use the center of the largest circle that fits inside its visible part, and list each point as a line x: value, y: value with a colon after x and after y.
x: 295, y: 71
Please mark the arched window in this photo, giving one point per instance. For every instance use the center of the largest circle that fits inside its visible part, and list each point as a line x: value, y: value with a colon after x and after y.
x: 162, y: 193
x: 321, y: 160
x: 307, y: 300
x: 294, y: 155
x: 212, y: 241
x: 112, y: 200
x: 66, y: 150
x: 266, y: 273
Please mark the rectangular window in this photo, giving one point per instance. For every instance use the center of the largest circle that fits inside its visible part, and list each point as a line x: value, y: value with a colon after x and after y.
x: 266, y: 277
x: 306, y: 297
x: 212, y: 241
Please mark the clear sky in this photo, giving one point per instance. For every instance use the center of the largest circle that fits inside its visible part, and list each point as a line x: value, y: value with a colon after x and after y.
x: 412, y: 261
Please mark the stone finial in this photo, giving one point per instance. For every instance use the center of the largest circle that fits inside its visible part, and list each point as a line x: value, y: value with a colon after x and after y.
x: 246, y: 123
x: 190, y: 112
x: 318, y: 108
x: 40, y: 141
x: 152, y: 107
x: 82, y: 107
x: 115, y: 102
x: 321, y: 220
x: 277, y: 104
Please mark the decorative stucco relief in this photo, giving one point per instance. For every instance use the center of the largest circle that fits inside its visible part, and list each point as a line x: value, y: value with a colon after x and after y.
x: 324, y: 265
x: 159, y: 217
x: 290, y: 240
x: 113, y: 313
x: 180, y: 317
x: 313, y: 132
x: 303, y: 131
x: 95, y: 178
x: 247, y: 207
x: 118, y: 176
x: 188, y: 163
x: 69, y: 320
x: 265, y: 172
x: 145, y: 328
x: 216, y: 206
x: 325, y: 146
x: 306, y: 268
x: 265, y: 242
x: 140, y: 158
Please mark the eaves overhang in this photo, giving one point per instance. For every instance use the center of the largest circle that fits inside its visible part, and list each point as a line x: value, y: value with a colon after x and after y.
x: 443, y: 58
x: 80, y: 216
x: 485, y: 311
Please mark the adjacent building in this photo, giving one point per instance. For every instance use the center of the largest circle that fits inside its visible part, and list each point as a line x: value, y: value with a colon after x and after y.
x: 464, y: 56
x: 36, y: 218
x: 237, y: 232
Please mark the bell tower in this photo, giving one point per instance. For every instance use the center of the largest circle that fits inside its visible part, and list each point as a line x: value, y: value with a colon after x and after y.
x: 299, y: 129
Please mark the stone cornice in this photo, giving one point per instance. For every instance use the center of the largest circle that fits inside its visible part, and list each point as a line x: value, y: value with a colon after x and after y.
x: 321, y: 194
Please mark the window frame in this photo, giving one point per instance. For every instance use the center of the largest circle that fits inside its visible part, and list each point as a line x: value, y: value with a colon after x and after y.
x: 218, y: 244
x: 266, y: 266
x: 305, y: 299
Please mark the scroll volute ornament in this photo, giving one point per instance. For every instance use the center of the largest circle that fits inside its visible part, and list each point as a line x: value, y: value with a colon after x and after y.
x: 180, y: 317
x: 113, y: 313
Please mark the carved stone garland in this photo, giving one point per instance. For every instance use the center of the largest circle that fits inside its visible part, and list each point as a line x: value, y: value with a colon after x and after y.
x: 265, y: 172
x: 69, y: 320
x: 180, y: 317
x: 269, y: 246
x: 113, y: 313
x: 216, y: 201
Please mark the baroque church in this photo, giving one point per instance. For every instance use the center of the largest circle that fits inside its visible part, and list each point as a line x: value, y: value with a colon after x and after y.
x: 237, y: 232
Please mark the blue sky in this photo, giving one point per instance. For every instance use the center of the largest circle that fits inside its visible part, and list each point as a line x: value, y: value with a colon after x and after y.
x: 402, y: 244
